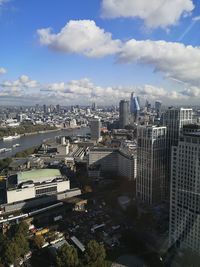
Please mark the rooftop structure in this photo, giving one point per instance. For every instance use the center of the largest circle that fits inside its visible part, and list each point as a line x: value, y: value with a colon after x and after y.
x: 38, y: 175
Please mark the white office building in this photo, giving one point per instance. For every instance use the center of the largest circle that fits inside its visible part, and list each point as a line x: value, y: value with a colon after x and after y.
x: 184, y: 229
x: 151, y: 181
x: 174, y: 119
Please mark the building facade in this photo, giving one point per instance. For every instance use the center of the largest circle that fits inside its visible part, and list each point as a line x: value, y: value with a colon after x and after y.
x: 124, y: 107
x: 115, y: 161
x: 184, y: 228
x: 95, y: 127
x: 134, y: 107
x: 174, y: 119
x: 36, y: 183
x: 151, y: 182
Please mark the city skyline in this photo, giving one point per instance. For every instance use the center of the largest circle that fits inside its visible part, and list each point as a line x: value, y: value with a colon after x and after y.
x: 80, y: 53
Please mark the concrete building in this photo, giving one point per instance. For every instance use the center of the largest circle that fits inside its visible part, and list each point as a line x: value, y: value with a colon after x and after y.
x: 151, y: 182
x: 115, y: 161
x: 124, y: 107
x: 95, y: 127
x: 35, y: 183
x: 174, y: 119
x: 184, y: 228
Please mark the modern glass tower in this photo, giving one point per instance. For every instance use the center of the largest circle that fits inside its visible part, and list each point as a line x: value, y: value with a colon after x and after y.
x: 134, y: 106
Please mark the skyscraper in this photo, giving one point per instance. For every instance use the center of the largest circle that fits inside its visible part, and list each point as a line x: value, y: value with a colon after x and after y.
x: 174, y: 119
x: 158, y: 105
x: 151, y: 182
x: 134, y: 106
x: 93, y: 106
x: 95, y: 128
x: 123, y: 113
x: 184, y: 229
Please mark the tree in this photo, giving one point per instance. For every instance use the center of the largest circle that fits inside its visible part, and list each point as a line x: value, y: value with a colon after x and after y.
x: 12, y: 252
x: 38, y: 241
x: 22, y: 228
x: 67, y: 256
x: 22, y: 244
x: 95, y: 254
x: 3, y: 241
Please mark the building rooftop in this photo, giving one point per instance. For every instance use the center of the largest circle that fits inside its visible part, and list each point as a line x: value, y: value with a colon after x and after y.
x: 38, y: 175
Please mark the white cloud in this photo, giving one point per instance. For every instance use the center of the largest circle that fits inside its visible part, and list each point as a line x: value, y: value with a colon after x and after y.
x: 22, y: 82
x: 84, y: 91
x: 155, y: 13
x: 175, y: 60
x: 197, y: 18
x: 81, y: 37
x: 191, y: 92
x: 2, y: 71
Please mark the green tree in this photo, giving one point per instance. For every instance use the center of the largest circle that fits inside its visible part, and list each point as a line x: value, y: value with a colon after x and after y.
x: 12, y: 252
x: 22, y: 243
x: 38, y: 241
x: 95, y: 254
x: 3, y: 241
x: 67, y: 256
x: 22, y: 228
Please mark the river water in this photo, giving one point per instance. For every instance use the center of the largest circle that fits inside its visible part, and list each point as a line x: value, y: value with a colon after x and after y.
x: 37, y: 139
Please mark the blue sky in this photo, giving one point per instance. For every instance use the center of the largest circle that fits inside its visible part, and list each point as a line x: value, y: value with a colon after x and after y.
x: 52, y: 71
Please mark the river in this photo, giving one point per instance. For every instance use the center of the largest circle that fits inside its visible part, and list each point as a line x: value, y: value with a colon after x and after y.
x: 37, y: 139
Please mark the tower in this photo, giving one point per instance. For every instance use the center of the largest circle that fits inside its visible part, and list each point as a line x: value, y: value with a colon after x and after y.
x: 151, y: 182
x: 123, y: 113
x: 95, y: 127
x: 184, y: 226
x: 134, y: 107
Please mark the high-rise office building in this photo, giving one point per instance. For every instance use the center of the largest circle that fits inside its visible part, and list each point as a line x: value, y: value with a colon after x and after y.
x: 158, y: 105
x: 184, y: 229
x: 95, y: 128
x: 57, y: 108
x: 134, y: 106
x: 45, y: 108
x: 151, y: 182
x: 94, y: 106
x: 123, y: 113
x: 174, y: 119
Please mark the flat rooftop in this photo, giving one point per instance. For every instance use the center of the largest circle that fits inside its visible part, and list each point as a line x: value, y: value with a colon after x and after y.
x: 38, y: 175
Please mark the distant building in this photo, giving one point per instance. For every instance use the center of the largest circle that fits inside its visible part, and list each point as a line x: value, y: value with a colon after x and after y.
x: 58, y: 108
x: 123, y: 113
x: 158, y: 106
x: 151, y: 182
x: 94, y: 106
x: 45, y: 109
x: 134, y: 107
x: 184, y: 228
x: 95, y: 128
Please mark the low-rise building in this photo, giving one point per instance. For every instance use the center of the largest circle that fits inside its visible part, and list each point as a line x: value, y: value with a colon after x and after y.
x: 35, y: 183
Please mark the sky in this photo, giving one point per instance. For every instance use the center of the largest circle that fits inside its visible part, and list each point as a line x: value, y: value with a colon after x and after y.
x: 77, y: 52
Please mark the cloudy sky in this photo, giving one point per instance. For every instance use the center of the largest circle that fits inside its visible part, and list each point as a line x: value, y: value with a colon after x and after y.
x: 77, y: 52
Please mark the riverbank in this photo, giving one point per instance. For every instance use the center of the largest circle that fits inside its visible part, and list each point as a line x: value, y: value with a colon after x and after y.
x: 24, y: 129
x: 27, y: 141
